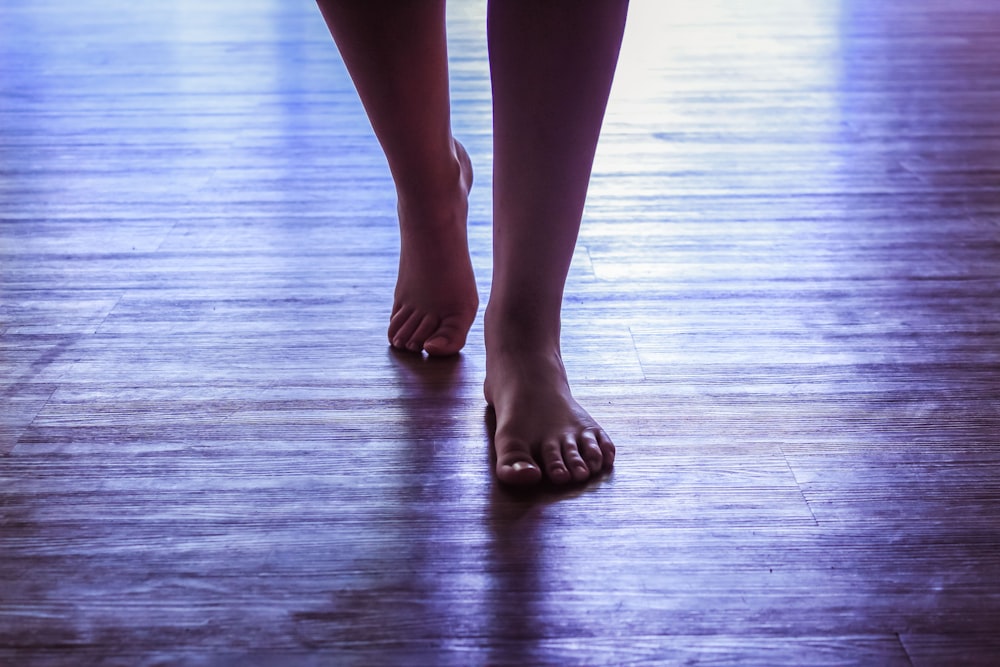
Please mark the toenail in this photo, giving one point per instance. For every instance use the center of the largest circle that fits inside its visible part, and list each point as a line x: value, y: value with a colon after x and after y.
x: 522, y: 465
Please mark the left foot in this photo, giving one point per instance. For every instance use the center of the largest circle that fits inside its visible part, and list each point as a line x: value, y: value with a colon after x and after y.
x: 541, y: 431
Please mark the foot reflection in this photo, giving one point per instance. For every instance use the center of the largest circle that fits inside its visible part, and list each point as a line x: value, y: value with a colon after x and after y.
x: 514, y: 598
x: 433, y: 393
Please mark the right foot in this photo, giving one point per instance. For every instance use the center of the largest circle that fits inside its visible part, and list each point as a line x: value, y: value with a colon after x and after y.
x: 436, y: 299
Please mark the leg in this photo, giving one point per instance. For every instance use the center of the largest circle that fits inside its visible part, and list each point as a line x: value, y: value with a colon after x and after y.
x: 552, y: 64
x: 396, y: 53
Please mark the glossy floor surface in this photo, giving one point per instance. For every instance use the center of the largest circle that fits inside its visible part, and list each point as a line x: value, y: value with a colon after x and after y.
x: 785, y: 307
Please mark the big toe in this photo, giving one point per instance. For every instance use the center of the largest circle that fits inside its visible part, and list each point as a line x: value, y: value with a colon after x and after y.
x: 515, y: 465
x: 449, y: 338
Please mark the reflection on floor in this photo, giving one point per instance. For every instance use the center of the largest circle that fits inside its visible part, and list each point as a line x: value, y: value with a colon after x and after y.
x: 785, y: 307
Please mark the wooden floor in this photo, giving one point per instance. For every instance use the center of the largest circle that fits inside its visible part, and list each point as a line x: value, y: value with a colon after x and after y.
x: 785, y: 307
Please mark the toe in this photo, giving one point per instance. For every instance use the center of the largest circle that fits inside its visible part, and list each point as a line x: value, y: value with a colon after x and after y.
x: 399, y: 316
x: 515, y: 464
x: 552, y: 459
x: 448, y: 339
x: 427, y: 326
x: 571, y: 455
x: 607, y: 449
x: 590, y: 450
x: 405, y: 330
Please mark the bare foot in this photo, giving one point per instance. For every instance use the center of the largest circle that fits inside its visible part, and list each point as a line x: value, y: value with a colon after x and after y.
x: 436, y: 298
x: 541, y: 430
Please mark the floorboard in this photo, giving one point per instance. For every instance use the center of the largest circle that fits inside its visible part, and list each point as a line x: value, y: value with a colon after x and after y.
x: 785, y: 307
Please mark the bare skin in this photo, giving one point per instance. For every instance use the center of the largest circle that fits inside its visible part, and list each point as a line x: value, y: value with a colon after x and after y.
x: 541, y: 431
x: 551, y: 67
x: 435, y: 299
x: 396, y: 54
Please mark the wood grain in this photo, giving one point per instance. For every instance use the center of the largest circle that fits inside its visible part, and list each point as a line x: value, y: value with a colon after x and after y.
x: 785, y: 306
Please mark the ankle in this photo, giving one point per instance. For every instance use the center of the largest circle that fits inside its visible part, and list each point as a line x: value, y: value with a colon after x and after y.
x: 432, y: 188
x: 432, y: 206
x: 520, y: 331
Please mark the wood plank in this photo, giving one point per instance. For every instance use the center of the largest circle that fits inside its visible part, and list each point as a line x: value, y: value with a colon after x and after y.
x: 785, y: 306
